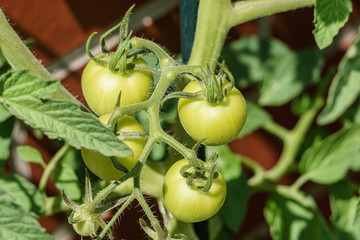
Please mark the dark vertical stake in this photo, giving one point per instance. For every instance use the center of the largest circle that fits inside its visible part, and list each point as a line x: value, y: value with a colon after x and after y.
x: 188, y: 14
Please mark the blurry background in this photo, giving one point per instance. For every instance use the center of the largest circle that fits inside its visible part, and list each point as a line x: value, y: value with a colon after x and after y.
x: 60, y: 29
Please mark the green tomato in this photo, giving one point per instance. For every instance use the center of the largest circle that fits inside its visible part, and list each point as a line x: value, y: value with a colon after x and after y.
x: 101, y: 86
x: 87, y: 227
x: 189, y: 204
x: 101, y: 165
x: 219, y: 123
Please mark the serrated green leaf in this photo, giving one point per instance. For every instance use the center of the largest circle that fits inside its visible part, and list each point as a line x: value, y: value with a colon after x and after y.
x: 246, y: 57
x: 64, y: 119
x: 17, y: 224
x: 57, y: 118
x: 285, y: 77
x: 292, y: 215
x: 25, y: 194
x: 18, y: 83
x: 30, y: 154
x: 66, y: 179
x: 343, y: 204
x: 229, y: 164
x: 329, y: 17
x: 6, y: 128
x: 256, y: 117
x: 345, y: 87
x: 329, y: 160
x: 4, y: 113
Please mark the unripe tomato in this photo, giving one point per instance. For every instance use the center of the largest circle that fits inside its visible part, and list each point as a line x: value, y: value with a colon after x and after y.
x: 219, y: 123
x: 85, y: 227
x: 101, y: 165
x: 101, y: 86
x: 189, y: 204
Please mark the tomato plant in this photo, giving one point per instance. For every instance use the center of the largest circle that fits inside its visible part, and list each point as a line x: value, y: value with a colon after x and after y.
x: 215, y: 123
x: 190, y: 204
x: 101, y: 86
x: 207, y: 82
x: 101, y: 165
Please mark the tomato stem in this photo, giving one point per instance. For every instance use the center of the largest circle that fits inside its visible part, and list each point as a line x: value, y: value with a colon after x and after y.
x: 51, y: 167
x: 116, y: 216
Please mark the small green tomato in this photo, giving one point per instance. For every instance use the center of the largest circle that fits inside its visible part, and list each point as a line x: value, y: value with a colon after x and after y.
x: 189, y: 204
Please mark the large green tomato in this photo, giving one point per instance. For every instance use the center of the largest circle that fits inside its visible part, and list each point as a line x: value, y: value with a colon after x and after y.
x: 101, y: 165
x: 101, y: 86
x: 189, y: 204
x: 219, y: 123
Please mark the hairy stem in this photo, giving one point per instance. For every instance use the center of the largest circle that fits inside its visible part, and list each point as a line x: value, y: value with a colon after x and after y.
x: 18, y: 55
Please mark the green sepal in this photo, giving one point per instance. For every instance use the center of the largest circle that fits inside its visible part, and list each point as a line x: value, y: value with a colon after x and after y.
x: 196, y: 95
x: 118, y: 165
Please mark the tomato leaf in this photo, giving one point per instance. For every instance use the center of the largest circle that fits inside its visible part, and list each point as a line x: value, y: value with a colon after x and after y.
x: 343, y: 204
x: 30, y: 154
x: 256, y: 117
x: 286, y: 76
x: 66, y: 180
x: 229, y: 164
x: 293, y: 215
x: 329, y: 160
x: 4, y: 113
x: 218, y: 230
x: 16, y: 223
x: 246, y: 57
x: 6, y: 128
x: 329, y: 17
x: 23, y: 95
x: 345, y: 86
x: 24, y: 193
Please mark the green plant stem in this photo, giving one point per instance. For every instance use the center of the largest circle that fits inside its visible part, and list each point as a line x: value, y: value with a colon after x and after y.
x: 51, y: 166
x: 212, y: 28
x: 300, y: 181
x: 244, y: 11
x: 154, y: 222
x: 116, y: 216
x: 18, y: 55
x: 294, y: 140
x: 277, y: 130
x: 216, y: 17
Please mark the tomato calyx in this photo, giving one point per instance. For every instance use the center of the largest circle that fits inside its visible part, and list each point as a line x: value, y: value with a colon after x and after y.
x: 201, y: 176
x: 214, y: 85
x: 85, y: 219
x: 118, y: 61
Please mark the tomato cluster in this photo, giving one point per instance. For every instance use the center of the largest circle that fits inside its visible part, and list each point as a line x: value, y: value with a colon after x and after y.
x: 208, y: 122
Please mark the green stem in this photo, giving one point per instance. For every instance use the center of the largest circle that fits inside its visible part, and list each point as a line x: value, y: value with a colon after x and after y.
x: 216, y: 17
x: 154, y: 222
x: 294, y: 140
x: 18, y: 55
x: 277, y: 130
x: 300, y: 181
x: 116, y: 216
x: 51, y: 166
x: 211, y: 30
x: 244, y: 11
